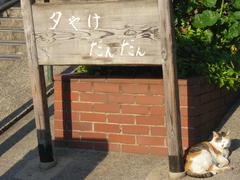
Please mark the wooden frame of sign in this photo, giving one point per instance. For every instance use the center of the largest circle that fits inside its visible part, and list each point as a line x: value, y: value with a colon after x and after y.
x: 134, y: 32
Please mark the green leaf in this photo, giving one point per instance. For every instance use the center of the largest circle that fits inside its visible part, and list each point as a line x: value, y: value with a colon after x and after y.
x: 236, y: 4
x: 209, y: 3
x: 208, y: 35
x: 236, y: 15
x: 207, y: 18
x: 233, y: 31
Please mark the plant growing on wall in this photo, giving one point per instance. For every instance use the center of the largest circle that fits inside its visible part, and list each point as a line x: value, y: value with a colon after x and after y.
x: 208, y: 34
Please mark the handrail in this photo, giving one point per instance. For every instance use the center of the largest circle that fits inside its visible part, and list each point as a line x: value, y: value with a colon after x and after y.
x: 8, y: 5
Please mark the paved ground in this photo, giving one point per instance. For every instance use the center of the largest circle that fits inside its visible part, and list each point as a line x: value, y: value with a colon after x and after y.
x: 19, y: 158
x: 15, y: 85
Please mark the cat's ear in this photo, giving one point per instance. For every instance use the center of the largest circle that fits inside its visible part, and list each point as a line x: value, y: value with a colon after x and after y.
x: 215, y: 134
x: 228, y: 132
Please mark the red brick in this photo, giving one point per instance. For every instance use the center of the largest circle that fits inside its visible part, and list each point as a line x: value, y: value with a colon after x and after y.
x: 143, y: 130
x: 121, y: 119
x: 100, y: 146
x: 92, y: 136
x: 81, y: 86
x: 84, y: 126
x: 93, y: 117
x: 75, y: 134
x: 184, y: 122
x: 59, y: 96
x: 107, y: 147
x: 150, y: 100
x: 184, y: 111
x: 58, y: 133
x: 58, y: 115
x: 185, y: 142
x: 114, y: 128
x: 126, y: 139
x: 183, y: 101
x: 135, y: 149
x: 114, y: 147
x: 134, y: 89
x: 122, y: 99
x: 58, y: 125
x: 75, y: 126
x: 57, y: 85
x: 155, y: 141
x: 74, y: 96
x: 81, y: 106
x: 134, y: 109
x: 92, y: 97
x: 121, y: 80
x: 58, y: 105
x: 159, y: 151
x: 157, y: 110
x: 108, y: 108
x: 150, y: 120
x: 158, y: 131
x: 188, y: 132
x: 183, y: 91
x: 105, y: 87
x: 157, y: 89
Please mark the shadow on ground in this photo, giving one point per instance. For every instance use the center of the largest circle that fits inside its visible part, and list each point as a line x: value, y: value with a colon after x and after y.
x: 20, y: 134
x: 74, y: 164
x: 235, y: 145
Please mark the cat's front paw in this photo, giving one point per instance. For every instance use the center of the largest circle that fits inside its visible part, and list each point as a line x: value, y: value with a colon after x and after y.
x: 223, y: 163
x: 228, y: 168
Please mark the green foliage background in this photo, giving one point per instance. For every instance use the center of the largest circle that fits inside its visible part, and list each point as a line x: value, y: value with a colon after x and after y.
x: 208, y: 34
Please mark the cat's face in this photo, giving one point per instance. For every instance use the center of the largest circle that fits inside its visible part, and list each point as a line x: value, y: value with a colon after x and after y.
x: 222, y: 139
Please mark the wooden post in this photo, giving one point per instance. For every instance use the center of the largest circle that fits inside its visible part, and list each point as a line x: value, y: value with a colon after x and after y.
x: 172, y: 110
x: 38, y: 91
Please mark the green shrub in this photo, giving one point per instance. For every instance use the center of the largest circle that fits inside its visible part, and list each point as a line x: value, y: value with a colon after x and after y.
x: 208, y: 34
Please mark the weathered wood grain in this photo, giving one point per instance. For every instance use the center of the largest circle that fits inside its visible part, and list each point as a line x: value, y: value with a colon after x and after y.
x: 136, y: 20
x: 172, y: 108
x: 38, y: 88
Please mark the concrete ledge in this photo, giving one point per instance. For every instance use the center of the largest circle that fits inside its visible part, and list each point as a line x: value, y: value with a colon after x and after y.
x: 46, y: 166
x: 161, y: 173
x: 174, y: 175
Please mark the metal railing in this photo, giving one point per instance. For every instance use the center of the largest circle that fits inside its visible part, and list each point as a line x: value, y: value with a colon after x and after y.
x: 8, y: 4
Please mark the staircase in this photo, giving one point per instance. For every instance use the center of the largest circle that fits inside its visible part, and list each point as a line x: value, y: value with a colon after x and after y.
x: 12, y: 39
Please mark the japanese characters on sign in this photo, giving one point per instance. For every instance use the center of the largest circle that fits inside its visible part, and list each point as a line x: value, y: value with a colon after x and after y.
x: 112, y: 32
x: 96, y: 48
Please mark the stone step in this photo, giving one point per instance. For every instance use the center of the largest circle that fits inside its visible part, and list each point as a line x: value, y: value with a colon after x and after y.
x: 12, y: 42
x: 12, y: 34
x: 10, y: 57
x: 10, y: 22
x: 12, y: 47
x: 12, y: 12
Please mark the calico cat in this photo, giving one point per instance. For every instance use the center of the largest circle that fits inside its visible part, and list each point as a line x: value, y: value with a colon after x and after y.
x: 208, y: 158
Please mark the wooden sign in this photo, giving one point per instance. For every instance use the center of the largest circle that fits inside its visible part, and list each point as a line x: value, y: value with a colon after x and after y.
x: 99, y: 32
x: 108, y: 32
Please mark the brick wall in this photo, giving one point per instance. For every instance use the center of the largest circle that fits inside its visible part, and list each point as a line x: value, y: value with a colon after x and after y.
x: 127, y: 115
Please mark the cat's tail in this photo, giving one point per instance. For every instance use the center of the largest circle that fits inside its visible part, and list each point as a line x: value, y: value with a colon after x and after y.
x: 196, y: 175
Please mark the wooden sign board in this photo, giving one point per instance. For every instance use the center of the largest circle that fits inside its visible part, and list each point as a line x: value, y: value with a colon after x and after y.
x: 98, y: 32
x: 108, y: 32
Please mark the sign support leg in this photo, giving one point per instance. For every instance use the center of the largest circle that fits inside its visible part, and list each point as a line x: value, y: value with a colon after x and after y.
x: 171, y: 93
x: 38, y: 91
